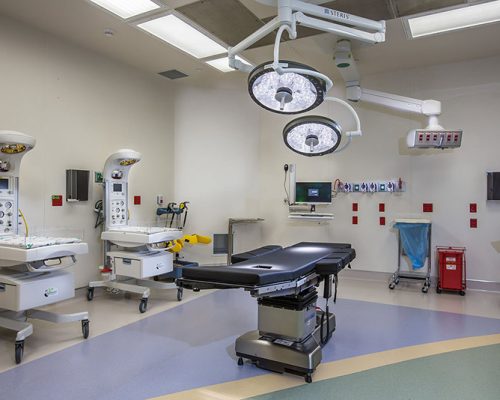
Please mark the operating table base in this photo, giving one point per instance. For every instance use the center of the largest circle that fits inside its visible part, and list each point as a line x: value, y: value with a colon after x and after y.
x: 282, y: 355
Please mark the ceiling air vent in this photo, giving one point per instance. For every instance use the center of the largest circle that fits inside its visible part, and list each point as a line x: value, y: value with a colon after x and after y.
x: 173, y: 74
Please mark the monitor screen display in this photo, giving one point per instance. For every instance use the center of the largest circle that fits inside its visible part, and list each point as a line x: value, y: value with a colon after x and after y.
x: 313, y: 192
x: 4, y: 183
x: 117, y: 187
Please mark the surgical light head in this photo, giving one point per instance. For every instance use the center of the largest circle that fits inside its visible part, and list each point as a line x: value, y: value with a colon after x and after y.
x: 286, y: 93
x: 312, y: 135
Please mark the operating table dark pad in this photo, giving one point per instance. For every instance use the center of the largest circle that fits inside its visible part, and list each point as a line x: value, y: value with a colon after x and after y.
x: 279, y: 266
x: 261, y: 251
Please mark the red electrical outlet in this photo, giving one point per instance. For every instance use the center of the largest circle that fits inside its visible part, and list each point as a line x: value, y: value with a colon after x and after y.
x: 354, y: 219
x: 473, y: 223
x: 355, y: 207
x: 381, y: 207
x: 57, y: 200
x: 427, y: 207
x: 382, y: 220
x: 137, y: 200
x: 473, y: 207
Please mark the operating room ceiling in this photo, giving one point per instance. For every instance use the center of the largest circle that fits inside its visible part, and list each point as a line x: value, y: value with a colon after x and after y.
x: 81, y: 23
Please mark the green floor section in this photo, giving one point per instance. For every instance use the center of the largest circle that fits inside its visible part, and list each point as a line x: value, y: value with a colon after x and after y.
x: 467, y: 374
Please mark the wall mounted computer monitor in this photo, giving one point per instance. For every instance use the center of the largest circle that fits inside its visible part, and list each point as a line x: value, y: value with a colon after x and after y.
x: 313, y: 193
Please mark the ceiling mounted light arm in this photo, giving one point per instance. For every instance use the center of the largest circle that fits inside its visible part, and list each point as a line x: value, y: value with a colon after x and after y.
x: 291, y: 12
x: 353, y: 112
x: 346, y: 65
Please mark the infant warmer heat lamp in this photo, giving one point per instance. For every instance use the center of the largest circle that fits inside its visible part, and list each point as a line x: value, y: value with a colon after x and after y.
x: 133, y: 254
x: 31, y: 267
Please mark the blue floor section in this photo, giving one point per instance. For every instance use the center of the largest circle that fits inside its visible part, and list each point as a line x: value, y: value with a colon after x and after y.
x: 192, y: 345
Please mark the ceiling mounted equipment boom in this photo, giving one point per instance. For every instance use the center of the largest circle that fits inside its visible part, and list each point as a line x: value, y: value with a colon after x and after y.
x: 288, y: 87
x: 432, y: 136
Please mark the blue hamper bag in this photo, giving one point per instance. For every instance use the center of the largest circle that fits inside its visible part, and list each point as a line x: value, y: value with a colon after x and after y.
x: 415, y: 240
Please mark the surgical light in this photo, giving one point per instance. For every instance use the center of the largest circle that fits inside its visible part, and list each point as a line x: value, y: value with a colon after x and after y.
x: 312, y: 135
x: 127, y: 8
x: 286, y: 93
x: 458, y: 18
x: 182, y: 35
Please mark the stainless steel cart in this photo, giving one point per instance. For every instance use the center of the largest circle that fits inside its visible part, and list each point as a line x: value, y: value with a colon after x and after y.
x: 413, y: 275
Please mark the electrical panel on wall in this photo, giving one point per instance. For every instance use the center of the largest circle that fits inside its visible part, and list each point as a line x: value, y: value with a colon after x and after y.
x: 388, y: 186
x: 425, y: 139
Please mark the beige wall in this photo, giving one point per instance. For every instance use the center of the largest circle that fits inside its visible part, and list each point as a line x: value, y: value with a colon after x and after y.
x: 242, y: 148
x: 81, y: 107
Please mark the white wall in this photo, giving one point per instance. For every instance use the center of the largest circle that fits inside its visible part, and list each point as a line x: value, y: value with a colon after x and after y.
x: 451, y: 179
x: 216, y: 163
x: 81, y: 107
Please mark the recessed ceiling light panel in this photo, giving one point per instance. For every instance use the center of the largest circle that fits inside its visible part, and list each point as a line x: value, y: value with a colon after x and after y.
x: 312, y: 135
x: 458, y: 18
x: 289, y: 93
x: 127, y: 8
x: 180, y: 34
x: 222, y: 64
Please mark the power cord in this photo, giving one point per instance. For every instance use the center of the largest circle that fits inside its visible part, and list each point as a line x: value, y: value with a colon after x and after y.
x: 285, y: 167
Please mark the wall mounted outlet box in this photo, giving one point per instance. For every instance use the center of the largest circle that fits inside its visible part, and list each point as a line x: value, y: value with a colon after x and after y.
x: 98, y: 177
x: 354, y: 219
x: 427, y: 207
x: 381, y: 207
x: 137, y: 200
x: 355, y: 207
x: 382, y: 221
x: 473, y: 208
x: 57, y: 200
x: 473, y: 223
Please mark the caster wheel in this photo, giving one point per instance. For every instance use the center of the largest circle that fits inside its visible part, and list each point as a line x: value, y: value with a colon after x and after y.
x: 462, y: 293
x: 143, y: 305
x: 396, y: 281
x: 240, y: 361
x: 85, y: 328
x: 392, y: 285
x: 439, y: 290
x: 196, y: 289
x: 425, y: 289
x: 179, y: 294
x: 19, y: 351
x: 308, y: 378
x: 90, y: 293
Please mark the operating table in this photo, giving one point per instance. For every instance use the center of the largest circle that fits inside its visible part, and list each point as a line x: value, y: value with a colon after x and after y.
x: 291, y: 329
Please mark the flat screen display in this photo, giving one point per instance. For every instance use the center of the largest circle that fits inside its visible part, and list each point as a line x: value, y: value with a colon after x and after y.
x: 313, y: 192
x: 4, y: 183
x: 117, y: 187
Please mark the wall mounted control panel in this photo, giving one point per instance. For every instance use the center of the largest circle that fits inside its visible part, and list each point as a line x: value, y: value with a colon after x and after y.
x: 117, y: 203
x: 8, y: 205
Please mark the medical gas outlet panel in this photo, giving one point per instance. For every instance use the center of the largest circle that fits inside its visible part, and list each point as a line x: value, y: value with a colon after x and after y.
x: 8, y: 205
x: 390, y: 186
x: 117, y: 204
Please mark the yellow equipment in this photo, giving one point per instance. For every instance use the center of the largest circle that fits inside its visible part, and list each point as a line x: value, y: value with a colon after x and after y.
x: 177, y: 245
